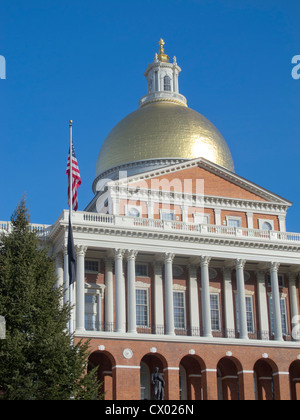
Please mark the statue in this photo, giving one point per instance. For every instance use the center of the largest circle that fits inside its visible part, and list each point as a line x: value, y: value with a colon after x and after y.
x: 158, y: 385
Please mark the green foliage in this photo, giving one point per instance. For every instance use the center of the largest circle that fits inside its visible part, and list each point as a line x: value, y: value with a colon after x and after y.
x: 38, y: 360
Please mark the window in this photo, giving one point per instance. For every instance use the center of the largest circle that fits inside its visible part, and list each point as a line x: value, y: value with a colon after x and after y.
x: 91, y: 265
x: 91, y: 312
x: 280, y: 280
x: 134, y: 212
x: 266, y: 226
x: 167, y: 83
x: 201, y: 218
x: 179, y: 309
x: 234, y: 221
x: 249, y: 313
x: 215, y: 311
x: 141, y: 307
x: 141, y: 270
x: 167, y: 215
x: 283, y: 315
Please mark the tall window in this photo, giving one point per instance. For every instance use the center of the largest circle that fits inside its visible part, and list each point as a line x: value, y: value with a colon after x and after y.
x: 167, y: 83
x: 141, y: 307
x: 179, y: 309
x: 283, y: 315
x: 91, y: 312
x: 215, y: 311
x: 249, y: 313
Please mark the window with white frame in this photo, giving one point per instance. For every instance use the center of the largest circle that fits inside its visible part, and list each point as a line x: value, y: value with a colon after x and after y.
x: 91, y: 312
x: 167, y: 214
x: 141, y: 307
x: 234, y: 221
x: 265, y: 224
x: 283, y: 315
x: 280, y: 280
x: 133, y: 211
x: 179, y: 309
x: 249, y: 313
x: 201, y: 218
x: 215, y: 311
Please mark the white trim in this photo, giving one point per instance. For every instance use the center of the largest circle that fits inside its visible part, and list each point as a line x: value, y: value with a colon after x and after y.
x: 125, y: 367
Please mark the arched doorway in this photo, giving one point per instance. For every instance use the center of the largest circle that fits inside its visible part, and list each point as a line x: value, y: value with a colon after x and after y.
x: 294, y: 371
x: 190, y: 378
x: 106, y: 377
x: 230, y: 384
x: 266, y: 384
x: 147, y: 366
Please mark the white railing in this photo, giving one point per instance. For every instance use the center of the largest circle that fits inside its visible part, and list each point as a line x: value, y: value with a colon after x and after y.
x: 175, y: 226
x: 42, y: 230
x: 138, y: 223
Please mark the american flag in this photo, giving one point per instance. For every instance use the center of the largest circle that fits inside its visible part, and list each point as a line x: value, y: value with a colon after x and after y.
x: 76, y: 180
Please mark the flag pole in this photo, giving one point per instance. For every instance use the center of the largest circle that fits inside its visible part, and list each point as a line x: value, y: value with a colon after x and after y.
x: 71, y: 326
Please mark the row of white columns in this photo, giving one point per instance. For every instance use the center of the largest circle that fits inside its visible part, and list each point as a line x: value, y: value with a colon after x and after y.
x: 164, y: 309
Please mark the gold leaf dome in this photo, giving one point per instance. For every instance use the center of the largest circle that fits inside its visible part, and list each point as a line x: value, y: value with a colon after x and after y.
x: 163, y: 129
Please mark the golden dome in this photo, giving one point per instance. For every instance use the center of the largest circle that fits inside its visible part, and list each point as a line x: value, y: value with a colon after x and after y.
x: 163, y: 130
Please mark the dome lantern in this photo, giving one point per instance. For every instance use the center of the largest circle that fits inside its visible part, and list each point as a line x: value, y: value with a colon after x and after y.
x: 162, y: 80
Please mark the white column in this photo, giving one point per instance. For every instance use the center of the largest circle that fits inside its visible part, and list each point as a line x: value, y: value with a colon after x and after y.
x: 120, y: 308
x: 194, y: 300
x: 241, y: 298
x: 80, y: 301
x: 205, y: 297
x: 276, y: 301
x: 131, y: 299
x: 109, y: 295
x: 293, y: 302
x: 158, y: 298
x: 228, y: 303
x: 262, y: 306
x: 170, y: 329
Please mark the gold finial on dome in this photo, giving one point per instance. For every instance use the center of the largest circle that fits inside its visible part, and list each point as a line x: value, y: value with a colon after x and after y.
x: 161, y: 55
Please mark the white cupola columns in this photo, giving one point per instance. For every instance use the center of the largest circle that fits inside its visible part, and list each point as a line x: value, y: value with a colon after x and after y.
x: 162, y: 80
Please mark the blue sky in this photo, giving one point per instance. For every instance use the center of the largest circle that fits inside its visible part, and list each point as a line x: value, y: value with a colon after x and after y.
x: 84, y: 60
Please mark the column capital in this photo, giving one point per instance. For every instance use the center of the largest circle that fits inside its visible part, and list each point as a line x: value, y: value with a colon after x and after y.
x: 240, y: 263
x: 119, y: 253
x: 168, y: 257
x: 80, y: 250
x: 131, y: 254
x: 204, y: 260
x: 274, y: 266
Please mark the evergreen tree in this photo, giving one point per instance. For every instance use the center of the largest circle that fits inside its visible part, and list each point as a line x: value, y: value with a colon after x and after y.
x: 38, y: 360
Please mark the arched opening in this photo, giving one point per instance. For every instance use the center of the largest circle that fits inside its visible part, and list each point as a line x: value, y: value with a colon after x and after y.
x: 106, y: 377
x: 190, y: 378
x: 148, y: 364
x: 266, y: 384
x: 294, y: 371
x: 229, y: 382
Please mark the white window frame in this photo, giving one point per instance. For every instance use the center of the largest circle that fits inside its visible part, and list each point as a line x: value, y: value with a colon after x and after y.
x: 167, y: 211
x: 201, y: 215
x: 233, y: 218
x: 129, y: 207
x: 183, y: 309
x: 237, y: 314
x: 284, y: 320
x: 145, y: 290
x: 218, y: 309
x: 262, y: 221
